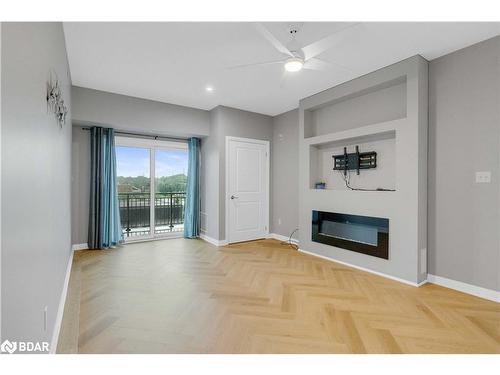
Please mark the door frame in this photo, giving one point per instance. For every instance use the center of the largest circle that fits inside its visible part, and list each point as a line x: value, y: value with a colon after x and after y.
x: 267, y: 183
x: 152, y: 144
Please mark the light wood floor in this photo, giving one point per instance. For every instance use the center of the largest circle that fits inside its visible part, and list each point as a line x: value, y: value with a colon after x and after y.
x: 187, y: 296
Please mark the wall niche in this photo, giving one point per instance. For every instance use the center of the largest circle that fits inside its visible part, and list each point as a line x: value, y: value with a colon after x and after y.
x: 384, y: 111
x: 383, y: 176
x: 379, y: 103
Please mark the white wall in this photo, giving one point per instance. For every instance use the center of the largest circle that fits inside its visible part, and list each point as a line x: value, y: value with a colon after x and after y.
x: 36, y: 170
x: 464, y: 132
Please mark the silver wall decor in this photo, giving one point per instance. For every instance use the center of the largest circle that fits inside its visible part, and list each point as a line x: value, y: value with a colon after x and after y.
x: 55, y: 101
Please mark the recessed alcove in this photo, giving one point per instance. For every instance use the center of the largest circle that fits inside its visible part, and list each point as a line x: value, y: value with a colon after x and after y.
x: 381, y: 177
x: 376, y: 104
x: 383, y: 112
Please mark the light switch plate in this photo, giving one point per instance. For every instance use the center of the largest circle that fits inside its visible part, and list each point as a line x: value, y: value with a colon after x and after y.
x: 483, y: 177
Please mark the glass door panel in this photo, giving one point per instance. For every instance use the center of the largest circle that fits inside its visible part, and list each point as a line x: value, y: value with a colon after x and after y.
x: 134, y: 190
x: 170, y: 189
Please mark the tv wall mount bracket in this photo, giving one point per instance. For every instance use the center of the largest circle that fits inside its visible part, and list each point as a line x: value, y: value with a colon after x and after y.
x: 354, y: 161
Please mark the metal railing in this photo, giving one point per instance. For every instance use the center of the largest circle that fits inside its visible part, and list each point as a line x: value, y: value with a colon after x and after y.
x: 135, y: 212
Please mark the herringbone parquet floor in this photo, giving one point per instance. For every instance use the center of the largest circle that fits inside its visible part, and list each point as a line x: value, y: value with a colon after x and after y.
x: 187, y: 296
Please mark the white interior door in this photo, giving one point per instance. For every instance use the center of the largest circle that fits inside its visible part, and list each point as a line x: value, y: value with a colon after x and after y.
x: 247, y: 189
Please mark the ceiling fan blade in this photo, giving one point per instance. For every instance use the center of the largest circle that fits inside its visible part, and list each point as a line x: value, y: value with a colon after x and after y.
x: 272, y: 39
x: 255, y: 64
x: 317, y: 64
x: 322, y: 45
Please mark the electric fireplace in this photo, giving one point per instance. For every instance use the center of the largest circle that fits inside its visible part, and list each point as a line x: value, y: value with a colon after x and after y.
x: 362, y: 234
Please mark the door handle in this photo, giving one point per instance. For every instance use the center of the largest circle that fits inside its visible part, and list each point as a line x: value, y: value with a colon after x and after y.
x: 234, y: 197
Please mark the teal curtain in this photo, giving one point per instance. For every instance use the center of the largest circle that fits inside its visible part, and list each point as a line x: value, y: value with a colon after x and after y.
x: 192, y: 207
x: 104, y: 212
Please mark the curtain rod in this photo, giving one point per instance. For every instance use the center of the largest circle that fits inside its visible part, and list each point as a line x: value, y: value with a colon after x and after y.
x: 146, y: 135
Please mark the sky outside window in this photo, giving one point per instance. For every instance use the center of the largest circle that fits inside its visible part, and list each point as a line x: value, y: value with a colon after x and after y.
x: 133, y: 170
x: 133, y: 162
x: 171, y: 162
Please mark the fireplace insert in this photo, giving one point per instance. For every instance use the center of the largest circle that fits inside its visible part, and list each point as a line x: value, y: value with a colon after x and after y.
x: 362, y: 234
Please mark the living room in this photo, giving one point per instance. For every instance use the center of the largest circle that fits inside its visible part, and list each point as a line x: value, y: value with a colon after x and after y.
x: 243, y: 187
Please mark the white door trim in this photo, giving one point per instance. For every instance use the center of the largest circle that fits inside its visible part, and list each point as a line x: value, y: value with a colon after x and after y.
x: 267, y: 184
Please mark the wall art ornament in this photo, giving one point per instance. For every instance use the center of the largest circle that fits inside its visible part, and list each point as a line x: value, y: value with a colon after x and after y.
x: 55, y: 101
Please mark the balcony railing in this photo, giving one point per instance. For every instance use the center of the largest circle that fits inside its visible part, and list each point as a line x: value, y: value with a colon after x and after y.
x: 135, y: 213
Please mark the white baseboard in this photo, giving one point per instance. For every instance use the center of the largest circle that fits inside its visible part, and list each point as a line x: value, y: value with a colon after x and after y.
x: 213, y: 241
x: 477, y: 291
x: 79, y: 246
x: 365, y: 269
x: 280, y: 237
x: 422, y: 282
x: 60, y: 309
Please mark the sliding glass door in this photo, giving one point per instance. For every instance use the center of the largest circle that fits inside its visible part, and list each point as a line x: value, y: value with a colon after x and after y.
x: 170, y: 189
x: 134, y: 190
x: 142, y: 202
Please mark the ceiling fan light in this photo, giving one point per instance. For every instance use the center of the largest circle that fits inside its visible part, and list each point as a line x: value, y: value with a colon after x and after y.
x: 294, y: 64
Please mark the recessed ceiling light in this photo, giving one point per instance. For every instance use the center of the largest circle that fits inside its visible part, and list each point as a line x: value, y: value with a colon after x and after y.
x: 294, y: 64
x: 209, y: 89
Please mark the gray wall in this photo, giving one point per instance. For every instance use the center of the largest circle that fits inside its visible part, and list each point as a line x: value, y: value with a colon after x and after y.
x: 137, y: 115
x: 225, y: 121
x: 1, y: 340
x: 36, y: 152
x: 462, y: 215
x: 406, y: 207
x: 122, y: 113
x: 464, y: 118
x: 373, y: 107
x: 209, y: 181
x: 80, y: 185
x: 285, y: 174
x: 464, y: 122
x: 236, y: 123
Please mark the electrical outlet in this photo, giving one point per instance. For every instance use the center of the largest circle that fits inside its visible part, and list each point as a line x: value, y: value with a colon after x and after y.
x: 279, y: 221
x: 45, y: 313
x: 483, y: 177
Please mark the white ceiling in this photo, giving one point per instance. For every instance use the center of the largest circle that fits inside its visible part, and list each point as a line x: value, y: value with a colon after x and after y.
x: 174, y: 62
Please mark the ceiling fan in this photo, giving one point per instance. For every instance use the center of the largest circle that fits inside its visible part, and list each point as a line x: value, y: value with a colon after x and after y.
x: 298, y: 58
